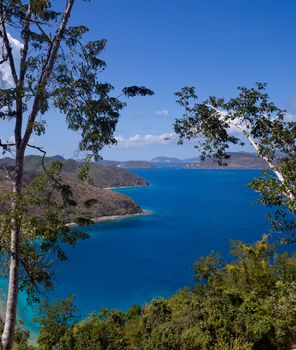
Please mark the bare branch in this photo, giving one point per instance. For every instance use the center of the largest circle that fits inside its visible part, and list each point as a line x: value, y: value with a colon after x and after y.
x: 6, y: 146
x: 43, y: 32
x: 4, y: 59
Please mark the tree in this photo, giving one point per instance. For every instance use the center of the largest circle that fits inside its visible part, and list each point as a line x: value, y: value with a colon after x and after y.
x: 54, y: 320
x: 266, y: 127
x: 246, y: 303
x: 56, y: 68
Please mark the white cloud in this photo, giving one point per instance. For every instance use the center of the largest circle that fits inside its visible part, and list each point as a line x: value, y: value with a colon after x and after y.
x: 5, y: 72
x: 145, y: 140
x: 163, y: 112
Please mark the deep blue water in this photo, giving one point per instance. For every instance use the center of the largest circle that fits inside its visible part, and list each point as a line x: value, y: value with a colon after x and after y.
x: 134, y: 260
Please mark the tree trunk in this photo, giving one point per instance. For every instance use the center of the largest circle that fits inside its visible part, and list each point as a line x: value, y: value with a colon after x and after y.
x: 12, y: 295
x: 6, y: 341
x: 254, y: 144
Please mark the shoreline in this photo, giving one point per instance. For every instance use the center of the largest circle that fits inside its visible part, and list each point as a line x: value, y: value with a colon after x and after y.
x: 222, y: 168
x: 122, y: 187
x: 115, y: 217
x: 112, y: 218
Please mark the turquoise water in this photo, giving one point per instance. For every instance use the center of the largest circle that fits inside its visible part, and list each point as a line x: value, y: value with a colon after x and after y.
x: 134, y: 260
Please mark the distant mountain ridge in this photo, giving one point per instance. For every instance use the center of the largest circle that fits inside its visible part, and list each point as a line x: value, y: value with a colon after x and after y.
x: 162, y: 159
x: 110, y: 173
x: 237, y: 160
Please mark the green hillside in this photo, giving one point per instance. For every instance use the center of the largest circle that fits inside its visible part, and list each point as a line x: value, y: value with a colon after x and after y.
x: 102, y: 176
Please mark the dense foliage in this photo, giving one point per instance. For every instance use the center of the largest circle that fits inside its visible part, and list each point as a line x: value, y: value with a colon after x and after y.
x: 248, y: 303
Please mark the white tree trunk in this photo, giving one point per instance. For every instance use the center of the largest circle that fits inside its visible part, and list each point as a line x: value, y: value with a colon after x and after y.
x: 21, y: 144
x: 12, y: 295
x: 255, y: 145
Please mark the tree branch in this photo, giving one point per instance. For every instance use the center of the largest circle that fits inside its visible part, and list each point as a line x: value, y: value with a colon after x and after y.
x: 4, y: 59
x: 23, y: 66
x: 42, y: 31
x: 6, y: 146
x: 46, y: 72
x: 31, y: 278
x: 20, y: 85
x: 255, y: 145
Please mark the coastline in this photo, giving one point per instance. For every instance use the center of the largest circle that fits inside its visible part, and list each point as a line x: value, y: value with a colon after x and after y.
x: 115, y: 217
x: 120, y: 187
x: 112, y: 217
x: 222, y: 168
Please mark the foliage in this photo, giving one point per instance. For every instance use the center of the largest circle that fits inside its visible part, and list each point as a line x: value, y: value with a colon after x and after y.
x: 42, y: 207
x: 54, y: 320
x: 57, y: 68
x: 248, y: 303
x: 260, y: 122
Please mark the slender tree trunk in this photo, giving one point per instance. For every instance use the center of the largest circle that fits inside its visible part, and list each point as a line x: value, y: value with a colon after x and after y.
x: 254, y: 144
x: 12, y: 295
x: 21, y: 144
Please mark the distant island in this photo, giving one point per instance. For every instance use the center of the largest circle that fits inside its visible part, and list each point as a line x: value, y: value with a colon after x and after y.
x: 105, y: 203
x: 237, y: 160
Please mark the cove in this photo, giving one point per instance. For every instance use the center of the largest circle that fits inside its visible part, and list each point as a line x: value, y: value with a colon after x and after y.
x: 131, y: 261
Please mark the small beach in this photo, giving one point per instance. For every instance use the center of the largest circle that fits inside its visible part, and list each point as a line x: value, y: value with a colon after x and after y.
x: 113, y: 217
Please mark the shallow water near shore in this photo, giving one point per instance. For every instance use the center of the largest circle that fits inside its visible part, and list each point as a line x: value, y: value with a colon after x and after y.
x: 129, y: 261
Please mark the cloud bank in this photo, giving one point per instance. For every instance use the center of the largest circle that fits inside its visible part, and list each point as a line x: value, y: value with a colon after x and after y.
x: 145, y: 140
x: 6, y: 79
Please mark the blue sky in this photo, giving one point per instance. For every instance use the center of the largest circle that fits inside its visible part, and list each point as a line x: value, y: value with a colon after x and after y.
x: 215, y: 45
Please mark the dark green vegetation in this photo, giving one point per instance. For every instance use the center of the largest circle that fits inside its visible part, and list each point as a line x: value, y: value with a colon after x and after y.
x: 246, y: 304
x: 57, y: 68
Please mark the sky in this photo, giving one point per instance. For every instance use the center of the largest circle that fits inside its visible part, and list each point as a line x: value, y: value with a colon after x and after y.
x: 214, y: 45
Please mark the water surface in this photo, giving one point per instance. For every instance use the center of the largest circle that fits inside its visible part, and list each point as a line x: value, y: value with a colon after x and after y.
x: 134, y: 260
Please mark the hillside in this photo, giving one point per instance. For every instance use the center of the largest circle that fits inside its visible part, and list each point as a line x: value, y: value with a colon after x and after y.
x: 136, y: 164
x: 162, y: 159
x: 104, y: 202
x: 237, y: 160
x: 102, y: 176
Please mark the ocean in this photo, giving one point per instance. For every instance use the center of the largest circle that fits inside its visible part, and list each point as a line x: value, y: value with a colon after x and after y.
x: 131, y: 261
